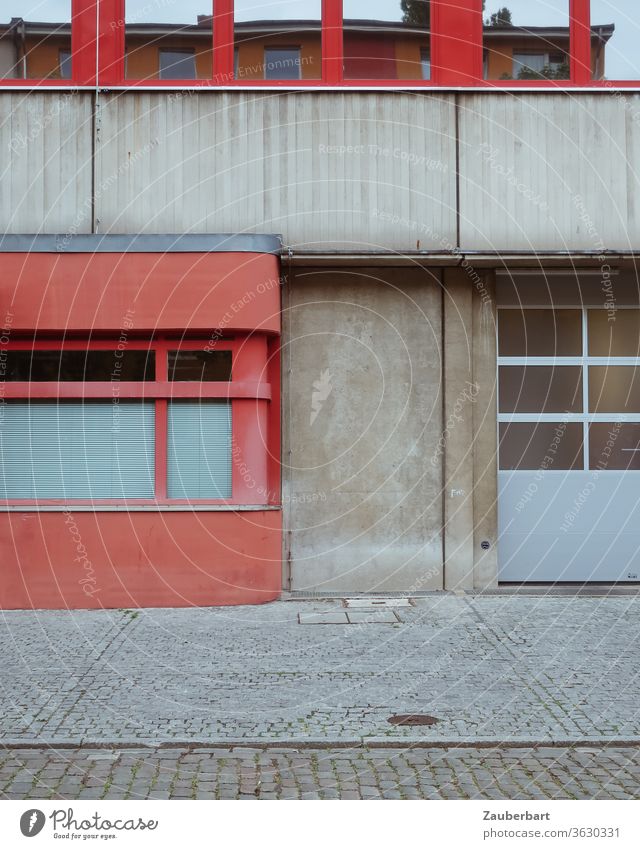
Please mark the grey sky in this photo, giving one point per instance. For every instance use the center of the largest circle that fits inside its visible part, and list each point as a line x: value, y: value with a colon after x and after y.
x: 36, y: 10
x: 622, y: 58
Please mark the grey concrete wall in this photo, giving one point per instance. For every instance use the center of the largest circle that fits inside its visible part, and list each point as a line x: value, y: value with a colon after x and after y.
x: 363, y: 503
x: 355, y: 170
x: 46, y: 172
x: 366, y: 170
x: 456, y: 449
x: 469, y: 445
x: 485, y: 435
x: 550, y: 172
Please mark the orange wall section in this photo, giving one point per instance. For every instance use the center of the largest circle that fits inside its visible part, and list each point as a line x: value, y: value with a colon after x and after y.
x: 87, y: 560
x: 43, y: 58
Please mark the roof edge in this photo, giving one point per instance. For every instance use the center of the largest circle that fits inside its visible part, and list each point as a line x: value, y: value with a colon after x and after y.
x: 263, y: 243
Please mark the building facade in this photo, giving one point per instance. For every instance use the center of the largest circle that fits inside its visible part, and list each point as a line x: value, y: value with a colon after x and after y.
x: 320, y: 303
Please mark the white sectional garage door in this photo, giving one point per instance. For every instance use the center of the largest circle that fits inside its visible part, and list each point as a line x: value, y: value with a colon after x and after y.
x: 569, y: 444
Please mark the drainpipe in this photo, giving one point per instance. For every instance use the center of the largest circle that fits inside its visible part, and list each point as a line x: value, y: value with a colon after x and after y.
x: 20, y: 42
x: 600, y: 56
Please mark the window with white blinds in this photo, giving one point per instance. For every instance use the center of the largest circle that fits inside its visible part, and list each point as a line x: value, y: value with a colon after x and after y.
x: 77, y: 449
x: 199, y: 449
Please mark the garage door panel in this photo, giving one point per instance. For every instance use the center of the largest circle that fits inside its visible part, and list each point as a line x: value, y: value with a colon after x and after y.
x: 546, y: 558
x: 576, y: 502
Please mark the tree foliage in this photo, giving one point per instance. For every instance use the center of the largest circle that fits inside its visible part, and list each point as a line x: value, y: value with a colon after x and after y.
x: 501, y: 18
x: 416, y: 12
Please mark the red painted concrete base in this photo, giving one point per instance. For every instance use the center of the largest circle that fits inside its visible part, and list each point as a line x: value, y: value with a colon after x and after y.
x: 92, y: 560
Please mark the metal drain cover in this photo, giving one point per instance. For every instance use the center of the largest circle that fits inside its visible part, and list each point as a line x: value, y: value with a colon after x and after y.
x: 412, y: 719
x: 375, y: 602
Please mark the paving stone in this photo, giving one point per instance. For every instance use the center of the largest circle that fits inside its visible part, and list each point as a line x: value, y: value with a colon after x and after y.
x: 490, y: 669
x: 373, y: 617
x: 336, y: 618
x: 572, y: 777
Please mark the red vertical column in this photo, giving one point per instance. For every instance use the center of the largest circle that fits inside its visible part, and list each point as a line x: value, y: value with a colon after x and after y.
x: 580, y: 41
x: 250, y: 425
x: 84, y: 41
x: 111, y: 42
x: 223, y: 42
x: 332, y: 42
x: 456, y: 42
x: 273, y: 436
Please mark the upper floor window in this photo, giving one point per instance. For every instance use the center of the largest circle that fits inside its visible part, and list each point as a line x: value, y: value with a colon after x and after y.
x: 425, y: 59
x: 282, y: 63
x: 535, y: 65
x: 526, y: 41
x: 65, y: 64
x: 178, y: 64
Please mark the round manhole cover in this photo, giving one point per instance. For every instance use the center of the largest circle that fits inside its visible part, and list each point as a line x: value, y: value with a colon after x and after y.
x: 412, y: 719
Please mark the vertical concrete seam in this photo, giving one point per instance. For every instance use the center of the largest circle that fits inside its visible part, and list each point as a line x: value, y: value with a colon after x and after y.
x: 456, y: 101
x: 443, y: 465
x: 95, y: 129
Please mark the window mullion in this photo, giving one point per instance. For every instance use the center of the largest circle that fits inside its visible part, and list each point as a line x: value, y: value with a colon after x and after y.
x: 161, y: 449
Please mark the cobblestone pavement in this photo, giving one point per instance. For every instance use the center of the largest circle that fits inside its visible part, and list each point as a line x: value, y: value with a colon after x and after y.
x: 546, y: 773
x: 502, y: 669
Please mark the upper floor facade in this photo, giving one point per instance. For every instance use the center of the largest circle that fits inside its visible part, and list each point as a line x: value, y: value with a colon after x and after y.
x: 328, y: 43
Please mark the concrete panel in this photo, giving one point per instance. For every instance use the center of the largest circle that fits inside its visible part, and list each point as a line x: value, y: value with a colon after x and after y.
x: 362, y: 362
x: 549, y: 171
x: 469, y: 433
x: 485, y: 432
x: 366, y: 170
x: 456, y: 447
x: 45, y: 180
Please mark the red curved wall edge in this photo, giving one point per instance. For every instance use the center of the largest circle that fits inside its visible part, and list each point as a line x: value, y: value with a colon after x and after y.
x: 69, y: 558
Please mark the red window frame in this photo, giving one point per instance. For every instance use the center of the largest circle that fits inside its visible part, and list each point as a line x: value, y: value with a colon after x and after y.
x: 248, y: 391
x: 98, y: 48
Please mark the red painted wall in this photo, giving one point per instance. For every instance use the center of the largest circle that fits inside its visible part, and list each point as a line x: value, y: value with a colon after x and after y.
x: 157, y: 558
x: 172, y: 291
x: 113, y: 560
x: 369, y: 57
